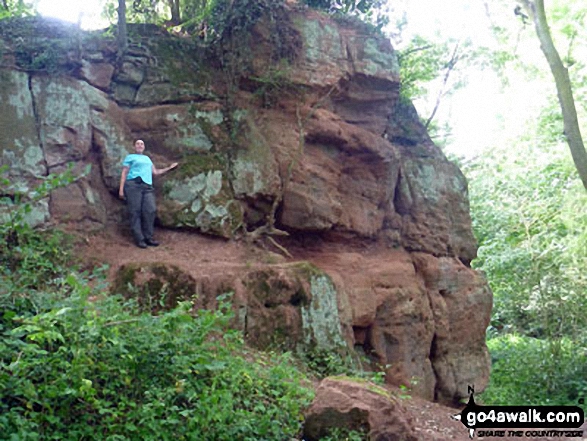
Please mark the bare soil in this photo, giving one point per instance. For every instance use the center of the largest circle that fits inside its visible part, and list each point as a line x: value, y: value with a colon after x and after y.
x: 194, y: 253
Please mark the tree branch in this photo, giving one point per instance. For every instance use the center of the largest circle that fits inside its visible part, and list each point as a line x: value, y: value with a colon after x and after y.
x: 416, y: 49
x: 450, y: 66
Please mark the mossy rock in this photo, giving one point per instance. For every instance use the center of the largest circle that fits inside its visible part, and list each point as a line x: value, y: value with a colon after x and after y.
x: 19, y: 137
x: 321, y: 320
x: 155, y: 286
x: 293, y: 307
x: 275, y: 286
x: 169, y: 77
x: 275, y: 296
x: 190, y: 69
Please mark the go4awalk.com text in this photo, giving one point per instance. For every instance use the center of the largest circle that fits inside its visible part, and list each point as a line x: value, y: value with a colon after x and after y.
x: 521, y: 421
x: 531, y: 433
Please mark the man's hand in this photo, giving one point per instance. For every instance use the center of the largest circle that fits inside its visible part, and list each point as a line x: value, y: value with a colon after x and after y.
x: 172, y: 166
x: 121, y: 194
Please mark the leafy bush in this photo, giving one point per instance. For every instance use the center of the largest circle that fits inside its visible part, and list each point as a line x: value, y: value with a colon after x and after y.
x: 421, y: 62
x: 538, y: 372
x: 371, y: 12
x: 324, y: 363
x: 15, y: 8
x: 97, y: 369
x: 525, y: 204
x: 29, y: 257
x: 338, y: 434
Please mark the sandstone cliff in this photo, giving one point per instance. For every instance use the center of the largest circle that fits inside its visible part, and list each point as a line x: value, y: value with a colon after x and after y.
x: 311, y: 140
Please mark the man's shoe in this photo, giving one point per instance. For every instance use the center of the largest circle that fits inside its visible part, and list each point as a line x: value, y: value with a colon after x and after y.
x: 141, y: 244
x: 152, y: 243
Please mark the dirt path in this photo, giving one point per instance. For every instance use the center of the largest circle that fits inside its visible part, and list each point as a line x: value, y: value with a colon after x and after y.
x: 196, y: 254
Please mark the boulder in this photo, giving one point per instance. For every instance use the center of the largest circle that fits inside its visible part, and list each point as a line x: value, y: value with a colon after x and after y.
x: 341, y: 403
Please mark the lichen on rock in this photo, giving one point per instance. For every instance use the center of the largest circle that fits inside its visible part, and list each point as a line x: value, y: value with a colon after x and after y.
x: 21, y: 146
x: 254, y: 167
x: 202, y: 198
x: 320, y: 319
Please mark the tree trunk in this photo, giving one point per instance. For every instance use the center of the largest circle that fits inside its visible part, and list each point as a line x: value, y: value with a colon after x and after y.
x: 563, y: 87
x: 175, y: 12
x: 122, y: 38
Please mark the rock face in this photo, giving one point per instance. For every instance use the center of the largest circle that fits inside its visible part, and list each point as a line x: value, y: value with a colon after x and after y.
x: 291, y: 306
x: 317, y: 144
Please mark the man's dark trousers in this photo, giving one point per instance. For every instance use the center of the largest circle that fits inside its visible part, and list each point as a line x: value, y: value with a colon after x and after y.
x: 140, y: 200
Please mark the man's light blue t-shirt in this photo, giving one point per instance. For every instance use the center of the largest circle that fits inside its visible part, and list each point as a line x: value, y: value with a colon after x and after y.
x: 139, y: 165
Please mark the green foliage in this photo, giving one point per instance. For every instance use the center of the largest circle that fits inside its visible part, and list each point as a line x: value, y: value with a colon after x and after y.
x: 528, y: 215
x: 339, y: 434
x: 527, y: 371
x: 527, y: 209
x: 426, y: 63
x: 274, y: 84
x: 327, y: 363
x: 550, y: 123
x: 227, y: 19
x: 42, y: 45
x: 524, y: 204
x: 45, y: 57
x: 139, y: 11
x: 227, y: 31
x: 31, y: 257
x: 15, y: 8
x: 525, y: 198
x: 212, y: 18
x: 421, y: 61
x: 144, y: 11
x: 80, y: 368
x: 432, y: 70
x: 78, y: 364
x: 517, y: 48
x: 368, y: 11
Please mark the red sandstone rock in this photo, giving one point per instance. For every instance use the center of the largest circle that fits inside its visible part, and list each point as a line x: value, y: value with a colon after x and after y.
x: 345, y: 404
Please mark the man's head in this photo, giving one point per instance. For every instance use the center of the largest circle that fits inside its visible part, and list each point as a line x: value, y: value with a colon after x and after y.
x: 139, y: 146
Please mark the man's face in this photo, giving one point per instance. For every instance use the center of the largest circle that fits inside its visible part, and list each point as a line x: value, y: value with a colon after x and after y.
x: 139, y: 146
